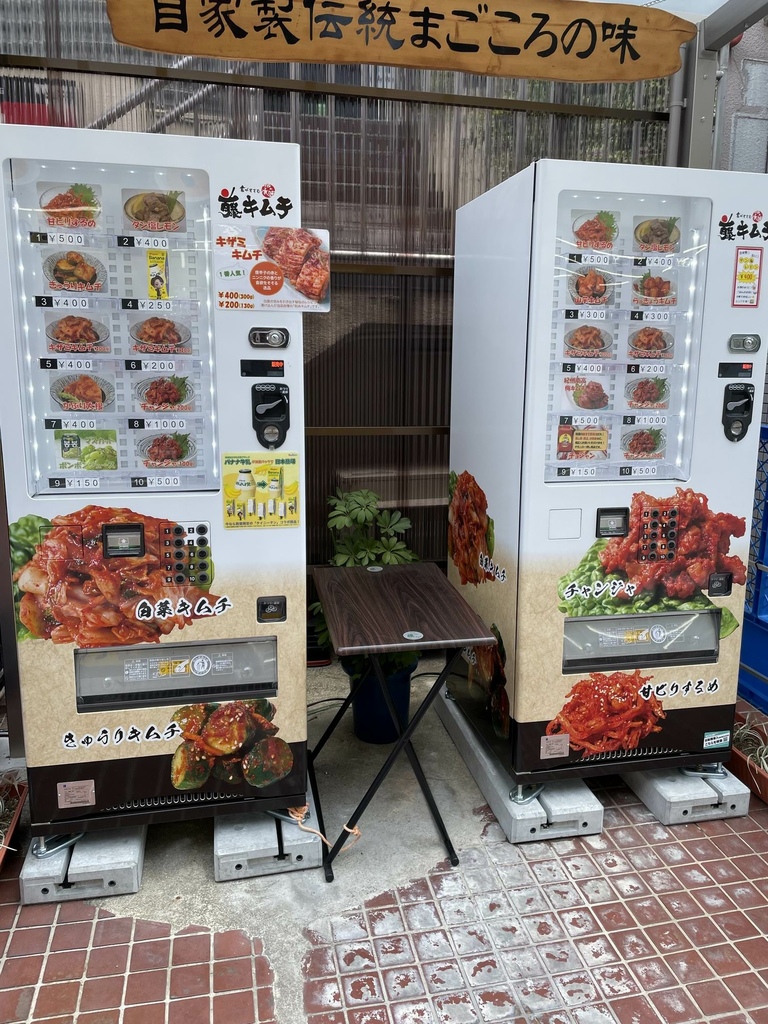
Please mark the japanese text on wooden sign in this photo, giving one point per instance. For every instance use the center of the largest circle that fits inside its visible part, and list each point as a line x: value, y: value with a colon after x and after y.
x: 567, y: 40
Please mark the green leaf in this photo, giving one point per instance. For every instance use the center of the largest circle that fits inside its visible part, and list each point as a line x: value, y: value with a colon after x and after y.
x: 607, y: 218
x: 180, y: 383
x: 453, y: 479
x: 182, y: 440
x: 728, y: 622
x: 86, y: 196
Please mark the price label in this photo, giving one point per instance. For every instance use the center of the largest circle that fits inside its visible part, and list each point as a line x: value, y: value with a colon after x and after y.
x: 585, y: 421
x: 147, y: 305
x: 565, y: 421
x: 138, y: 481
x: 628, y: 421
x: 659, y: 261
x: 563, y: 471
x: 141, y: 242
x: 62, y: 302
x: 83, y: 483
x: 159, y: 482
x: 158, y: 365
x: 165, y: 424
x: 643, y: 470
x: 66, y: 238
x: 583, y: 471
x: 592, y: 314
x: 135, y: 424
x: 657, y: 316
x: 599, y: 258
x: 569, y: 367
x: 648, y: 420
x: 75, y: 364
x: 588, y: 368
x: 69, y: 483
x: 61, y: 424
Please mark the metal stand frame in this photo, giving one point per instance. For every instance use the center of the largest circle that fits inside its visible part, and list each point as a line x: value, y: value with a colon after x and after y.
x: 403, y: 743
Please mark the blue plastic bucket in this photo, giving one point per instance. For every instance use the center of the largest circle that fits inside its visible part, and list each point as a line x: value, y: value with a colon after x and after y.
x: 371, y: 719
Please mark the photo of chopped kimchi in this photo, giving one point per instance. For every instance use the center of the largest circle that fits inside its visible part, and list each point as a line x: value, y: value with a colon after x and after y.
x: 298, y: 254
x: 468, y: 523
x: 607, y: 712
x: 698, y: 545
x: 72, y: 594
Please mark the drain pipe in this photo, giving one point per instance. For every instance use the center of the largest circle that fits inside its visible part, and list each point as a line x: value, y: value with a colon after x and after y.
x: 723, y: 59
x: 676, y: 104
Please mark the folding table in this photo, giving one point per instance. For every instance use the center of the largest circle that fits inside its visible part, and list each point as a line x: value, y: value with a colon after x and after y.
x: 377, y: 610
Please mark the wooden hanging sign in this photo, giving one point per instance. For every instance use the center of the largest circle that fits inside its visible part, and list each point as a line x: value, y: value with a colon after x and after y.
x: 565, y: 40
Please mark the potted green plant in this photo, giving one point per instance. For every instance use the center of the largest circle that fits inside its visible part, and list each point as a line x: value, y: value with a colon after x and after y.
x: 749, y: 753
x: 366, y: 534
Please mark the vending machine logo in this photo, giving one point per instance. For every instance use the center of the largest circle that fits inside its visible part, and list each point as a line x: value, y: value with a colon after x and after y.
x: 243, y: 201
x: 734, y: 227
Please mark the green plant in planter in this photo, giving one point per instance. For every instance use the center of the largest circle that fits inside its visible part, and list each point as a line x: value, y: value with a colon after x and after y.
x: 751, y: 738
x: 365, y: 534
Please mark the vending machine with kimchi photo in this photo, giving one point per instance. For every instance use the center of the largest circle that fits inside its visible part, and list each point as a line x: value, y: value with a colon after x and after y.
x: 607, y: 376
x: 151, y: 414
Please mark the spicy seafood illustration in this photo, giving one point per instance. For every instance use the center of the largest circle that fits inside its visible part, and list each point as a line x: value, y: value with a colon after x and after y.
x: 487, y: 674
x: 663, y: 564
x: 235, y: 742
x: 607, y: 712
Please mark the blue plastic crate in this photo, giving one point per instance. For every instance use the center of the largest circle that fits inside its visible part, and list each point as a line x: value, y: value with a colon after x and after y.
x: 753, y: 675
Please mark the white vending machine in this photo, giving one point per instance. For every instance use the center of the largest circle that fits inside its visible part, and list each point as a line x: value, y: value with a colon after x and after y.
x: 153, y: 604
x: 608, y: 364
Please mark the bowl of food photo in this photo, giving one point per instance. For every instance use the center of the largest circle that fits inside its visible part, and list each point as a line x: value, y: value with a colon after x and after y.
x: 155, y: 208
x: 160, y: 332
x: 644, y: 443
x: 654, y: 289
x: 83, y: 392
x: 75, y: 271
x: 69, y: 206
x: 77, y: 334
x: 596, y: 229
x: 587, y: 339
x: 647, y: 393
x: 167, y: 449
x: 159, y: 394
x: 651, y: 343
x: 589, y: 395
x: 659, y: 233
x: 591, y: 287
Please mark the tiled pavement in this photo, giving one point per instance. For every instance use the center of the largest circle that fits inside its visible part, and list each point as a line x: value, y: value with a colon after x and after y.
x: 641, y: 925
x: 70, y: 962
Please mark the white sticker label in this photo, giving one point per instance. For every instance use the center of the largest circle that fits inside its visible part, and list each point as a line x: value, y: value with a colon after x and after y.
x: 717, y: 740
x: 746, y: 277
x: 555, y: 746
x: 413, y: 634
x: 76, y: 794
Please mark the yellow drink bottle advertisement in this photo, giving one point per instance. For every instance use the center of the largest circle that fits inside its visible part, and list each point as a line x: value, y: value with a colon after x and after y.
x: 260, y: 491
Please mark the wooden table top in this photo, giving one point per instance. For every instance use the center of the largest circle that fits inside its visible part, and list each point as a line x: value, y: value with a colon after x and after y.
x: 373, y: 612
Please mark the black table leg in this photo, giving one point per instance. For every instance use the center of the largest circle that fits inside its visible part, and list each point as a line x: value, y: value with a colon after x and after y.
x: 386, y: 767
x: 411, y: 753
x: 320, y: 823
